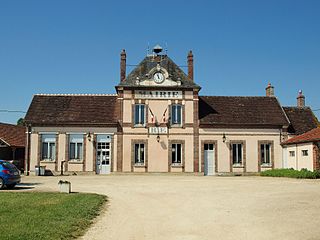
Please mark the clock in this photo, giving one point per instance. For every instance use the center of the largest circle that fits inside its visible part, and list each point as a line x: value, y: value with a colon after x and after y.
x: 158, y: 77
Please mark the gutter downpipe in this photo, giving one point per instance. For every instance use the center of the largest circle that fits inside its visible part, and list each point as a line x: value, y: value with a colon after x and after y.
x: 27, y: 167
x: 297, y: 157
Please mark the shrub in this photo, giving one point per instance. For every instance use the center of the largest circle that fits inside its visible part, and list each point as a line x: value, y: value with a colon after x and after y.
x: 291, y: 173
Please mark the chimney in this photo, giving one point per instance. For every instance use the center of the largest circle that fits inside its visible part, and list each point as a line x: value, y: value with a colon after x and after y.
x: 190, y: 65
x: 270, y: 90
x: 301, y: 102
x: 123, y: 59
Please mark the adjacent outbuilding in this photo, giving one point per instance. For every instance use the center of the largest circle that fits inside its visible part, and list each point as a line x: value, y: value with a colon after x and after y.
x: 302, y: 151
x: 12, y: 143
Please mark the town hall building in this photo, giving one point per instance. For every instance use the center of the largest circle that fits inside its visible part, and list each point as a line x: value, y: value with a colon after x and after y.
x: 158, y: 122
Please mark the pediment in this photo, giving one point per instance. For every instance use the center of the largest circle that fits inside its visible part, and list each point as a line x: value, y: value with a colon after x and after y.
x: 150, y: 81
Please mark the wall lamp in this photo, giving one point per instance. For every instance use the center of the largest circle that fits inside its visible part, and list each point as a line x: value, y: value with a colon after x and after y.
x: 224, y: 138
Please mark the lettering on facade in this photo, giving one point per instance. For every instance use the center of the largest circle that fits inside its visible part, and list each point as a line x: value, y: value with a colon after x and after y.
x: 158, y: 130
x: 158, y: 94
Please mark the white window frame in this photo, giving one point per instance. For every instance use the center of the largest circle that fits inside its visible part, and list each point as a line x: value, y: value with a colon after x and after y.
x: 174, y: 146
x: 139, y: 120
x: 176, y: 113
x: 292, y: 153
x: 51, y: 151
x: 138, y: 155
x: 265, y: 151
x: 304, y: 152
x: 237, y: 163
x: 77, y: 140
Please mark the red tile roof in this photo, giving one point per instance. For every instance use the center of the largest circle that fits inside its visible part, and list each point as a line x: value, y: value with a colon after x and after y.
x: 13, y: 135
x: 72, y: 109
x: 229, y: 111
x: 311, y: 136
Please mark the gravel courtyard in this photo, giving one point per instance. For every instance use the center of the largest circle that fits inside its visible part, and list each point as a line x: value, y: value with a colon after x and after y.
x: 163, y: 206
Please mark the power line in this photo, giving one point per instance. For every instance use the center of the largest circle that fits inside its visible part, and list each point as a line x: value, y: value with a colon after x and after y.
x: 12, y: 111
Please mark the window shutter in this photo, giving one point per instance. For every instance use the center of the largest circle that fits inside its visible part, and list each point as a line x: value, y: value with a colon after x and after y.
x: 183, y: 115
x: 142, y: 114
x: 179, y: 113
x: 146, y: 114
x: 133, y: 115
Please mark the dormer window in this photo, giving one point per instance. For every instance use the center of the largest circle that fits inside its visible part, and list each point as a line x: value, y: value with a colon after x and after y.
x: 139, y: 115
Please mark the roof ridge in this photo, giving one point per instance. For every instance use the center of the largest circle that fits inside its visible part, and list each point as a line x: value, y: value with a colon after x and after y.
x: 74, y: 94
x: 296, y: 107
x: 238, y: 96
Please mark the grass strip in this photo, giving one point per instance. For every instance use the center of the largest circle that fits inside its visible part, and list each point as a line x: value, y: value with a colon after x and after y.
x: 37, y: 215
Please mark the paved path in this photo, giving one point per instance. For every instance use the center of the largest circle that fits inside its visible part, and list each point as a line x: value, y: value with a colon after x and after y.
x: 195, y: 207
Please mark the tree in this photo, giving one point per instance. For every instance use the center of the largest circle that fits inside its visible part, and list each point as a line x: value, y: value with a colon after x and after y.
x: 20, y: 122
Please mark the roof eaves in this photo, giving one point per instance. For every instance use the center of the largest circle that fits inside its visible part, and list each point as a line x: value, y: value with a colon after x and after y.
x: 242, y: 125
x: 5, y: 142
x: 41, y: 124
x: 288, y: 142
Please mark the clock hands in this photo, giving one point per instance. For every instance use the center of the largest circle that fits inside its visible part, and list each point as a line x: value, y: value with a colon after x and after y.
x: 158, y: 77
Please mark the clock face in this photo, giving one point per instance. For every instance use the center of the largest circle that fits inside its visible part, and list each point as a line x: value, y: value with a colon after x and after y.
x: 158, y: 77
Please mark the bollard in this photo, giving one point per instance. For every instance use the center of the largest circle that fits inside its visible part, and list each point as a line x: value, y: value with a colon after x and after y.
x: 64, y: 186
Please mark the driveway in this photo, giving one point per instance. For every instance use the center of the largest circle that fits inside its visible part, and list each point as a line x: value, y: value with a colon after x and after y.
x: 162, y: 206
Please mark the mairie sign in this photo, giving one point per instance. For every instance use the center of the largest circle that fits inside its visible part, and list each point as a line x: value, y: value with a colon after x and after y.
x: 158, y: 130
x: 158, y: 94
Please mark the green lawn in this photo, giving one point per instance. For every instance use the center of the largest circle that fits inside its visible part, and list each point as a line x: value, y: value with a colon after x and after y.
x: 36, y: 215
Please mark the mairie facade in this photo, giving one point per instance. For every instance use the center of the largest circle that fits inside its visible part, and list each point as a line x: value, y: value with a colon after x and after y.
x: 158, y: 122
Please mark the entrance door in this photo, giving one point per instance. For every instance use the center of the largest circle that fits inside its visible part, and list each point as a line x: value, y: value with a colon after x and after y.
x: 103, y: 158
x: 209, y: 167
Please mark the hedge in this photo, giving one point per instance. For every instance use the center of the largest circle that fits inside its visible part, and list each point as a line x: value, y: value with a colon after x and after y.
x: 291, y: 173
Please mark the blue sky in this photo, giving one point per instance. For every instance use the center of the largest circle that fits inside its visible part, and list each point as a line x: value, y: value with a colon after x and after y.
x: 73, y: 46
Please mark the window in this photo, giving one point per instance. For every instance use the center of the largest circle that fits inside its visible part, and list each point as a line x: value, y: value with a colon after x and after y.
x: 139, y: 154
x: 176, y: 114
x: 237, y: 154
x: 76, y: 147
x: 292, y: 153
x: 139, y: 114
x: 265, y: 151
x: 176, y: 153
x: 48, y: 147
x: 304, y: 152
x: 208, y: 146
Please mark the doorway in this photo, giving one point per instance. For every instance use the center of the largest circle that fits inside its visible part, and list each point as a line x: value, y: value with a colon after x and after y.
x: 103, y: 162
x: 209, y: 163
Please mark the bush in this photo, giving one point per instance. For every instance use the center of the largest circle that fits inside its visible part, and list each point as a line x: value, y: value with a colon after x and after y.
x: 291, y: 173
